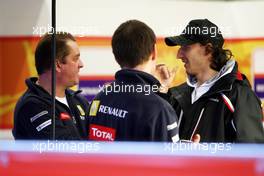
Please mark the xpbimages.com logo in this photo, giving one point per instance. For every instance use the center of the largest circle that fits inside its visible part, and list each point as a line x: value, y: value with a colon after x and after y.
x: 213, y: 31
x: 190, y: 146
x: 129, y: 88
x: 79, y: 31
x: 63, y: 146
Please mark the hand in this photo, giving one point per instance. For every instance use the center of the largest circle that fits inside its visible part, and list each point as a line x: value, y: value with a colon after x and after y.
x: 196, y: 138
x: 165, y: 76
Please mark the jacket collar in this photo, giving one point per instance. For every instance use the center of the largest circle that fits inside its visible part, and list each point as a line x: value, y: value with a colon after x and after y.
x: 223, y: 84
x: 226, y: 69
x: 135, y: 77
x: 38, y: 90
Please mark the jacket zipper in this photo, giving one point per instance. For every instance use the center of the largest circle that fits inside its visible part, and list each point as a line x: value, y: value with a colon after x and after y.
x: 197, y: 123
x: 180, y: 118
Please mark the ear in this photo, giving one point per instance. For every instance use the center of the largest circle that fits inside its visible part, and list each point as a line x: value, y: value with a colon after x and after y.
x: 58, y: 66
x: 208, y: 48
x: 154, y: 53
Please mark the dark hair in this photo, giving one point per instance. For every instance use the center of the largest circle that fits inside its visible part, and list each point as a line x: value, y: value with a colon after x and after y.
x: 132, y: 43
x: 219, y: 56
x: 43, y: 52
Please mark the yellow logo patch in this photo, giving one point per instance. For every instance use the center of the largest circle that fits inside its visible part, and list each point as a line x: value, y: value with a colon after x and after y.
x: 81, y: 110
x: 94, y: 108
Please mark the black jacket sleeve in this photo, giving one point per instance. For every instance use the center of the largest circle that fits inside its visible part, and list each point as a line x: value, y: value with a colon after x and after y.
x: 248, y: 116
x: 166, y: 126
x: 33, y: 121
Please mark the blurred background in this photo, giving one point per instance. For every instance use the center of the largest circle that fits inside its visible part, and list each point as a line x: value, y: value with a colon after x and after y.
x: 93, y: 23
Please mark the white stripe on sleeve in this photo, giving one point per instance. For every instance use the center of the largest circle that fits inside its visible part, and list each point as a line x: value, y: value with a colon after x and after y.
x: 43, y: 125
x: 172, y: 126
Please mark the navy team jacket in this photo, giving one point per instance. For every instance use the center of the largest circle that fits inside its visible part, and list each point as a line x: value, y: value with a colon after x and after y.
x: 130, y: 109
x: 32, y: 117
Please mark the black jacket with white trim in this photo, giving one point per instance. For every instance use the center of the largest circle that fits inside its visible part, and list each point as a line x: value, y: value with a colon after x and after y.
x: 229, y: 112
x: 130, y: 110
x: 32, y: 117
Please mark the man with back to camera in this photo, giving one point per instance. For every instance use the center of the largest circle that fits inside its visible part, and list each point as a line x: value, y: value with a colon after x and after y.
x: 129, y: 108
x: 216, y: 101
x: 32, y: 118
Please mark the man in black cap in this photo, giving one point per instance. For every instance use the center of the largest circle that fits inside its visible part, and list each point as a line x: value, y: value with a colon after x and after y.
x: 216, y: 101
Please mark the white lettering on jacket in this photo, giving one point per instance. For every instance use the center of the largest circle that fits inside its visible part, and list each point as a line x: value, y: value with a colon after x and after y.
x: 102, y: 134
x: 113, y: 111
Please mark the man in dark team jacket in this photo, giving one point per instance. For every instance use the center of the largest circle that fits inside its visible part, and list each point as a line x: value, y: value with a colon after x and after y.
x: 129, y: 109
x: 216, y: 101
x: 32, y: 118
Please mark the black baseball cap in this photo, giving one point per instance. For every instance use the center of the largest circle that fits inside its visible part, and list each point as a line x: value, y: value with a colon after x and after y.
x: 198, y: 31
